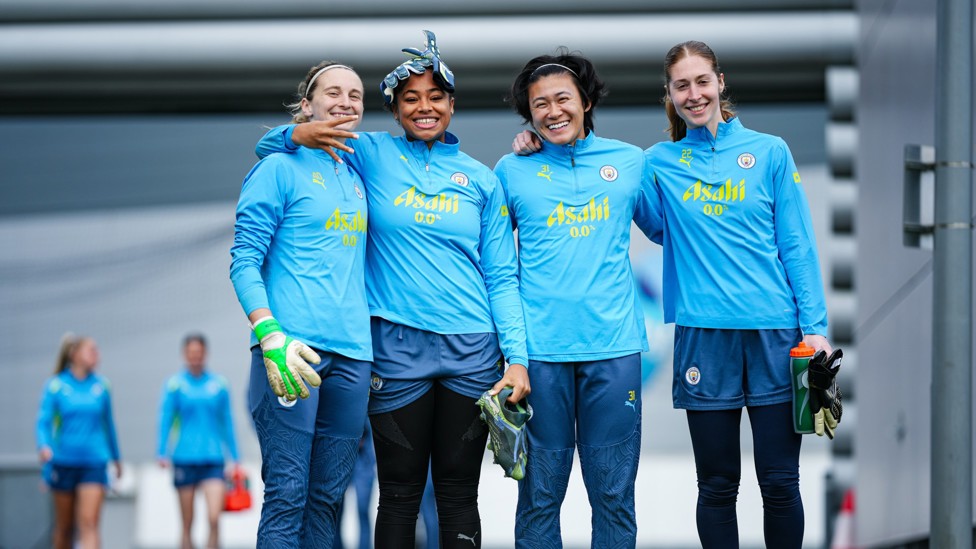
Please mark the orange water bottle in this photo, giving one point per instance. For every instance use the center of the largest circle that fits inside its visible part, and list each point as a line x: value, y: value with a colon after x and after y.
x: 799, y: 360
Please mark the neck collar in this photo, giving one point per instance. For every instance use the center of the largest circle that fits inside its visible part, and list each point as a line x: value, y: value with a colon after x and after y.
x: 450, y: 145
x: 728, y: 127
x: 575, y: 147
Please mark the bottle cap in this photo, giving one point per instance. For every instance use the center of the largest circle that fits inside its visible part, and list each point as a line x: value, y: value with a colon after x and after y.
x: 801, y: 350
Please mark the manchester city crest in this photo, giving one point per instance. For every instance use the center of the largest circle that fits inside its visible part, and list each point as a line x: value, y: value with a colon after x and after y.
x: 608, y: 173
x: 746, y: 161
x: 460, y: 178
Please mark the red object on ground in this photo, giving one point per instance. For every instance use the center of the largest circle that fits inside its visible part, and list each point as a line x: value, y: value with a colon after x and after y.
x: 844, y: 533
x: 238, y: 496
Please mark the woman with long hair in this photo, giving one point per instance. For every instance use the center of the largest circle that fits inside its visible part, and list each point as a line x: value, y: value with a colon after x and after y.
x: 75, y: 440
x: 742, y: 284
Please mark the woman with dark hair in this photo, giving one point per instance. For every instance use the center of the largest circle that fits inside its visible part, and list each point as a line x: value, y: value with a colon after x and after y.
x: 297, y: 267
x: 75, y: 441
x: 573, y: 203
x: 195, y: 410
x: 739, y: 239
x: 443, y: 296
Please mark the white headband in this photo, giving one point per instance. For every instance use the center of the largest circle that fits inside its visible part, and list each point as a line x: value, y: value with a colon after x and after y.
x: 564, y: 67
x: 323, y: 69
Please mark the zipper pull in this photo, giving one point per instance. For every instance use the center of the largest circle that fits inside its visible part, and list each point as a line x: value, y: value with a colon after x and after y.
x: 427, y: 166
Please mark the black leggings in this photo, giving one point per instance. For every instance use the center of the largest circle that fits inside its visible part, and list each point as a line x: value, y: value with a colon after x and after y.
x: 715, y: 439
x: 442, y: 429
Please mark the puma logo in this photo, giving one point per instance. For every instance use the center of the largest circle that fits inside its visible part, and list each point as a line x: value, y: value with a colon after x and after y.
x: 546, y: 172
x: 631, y: 404
x: 469, y: 538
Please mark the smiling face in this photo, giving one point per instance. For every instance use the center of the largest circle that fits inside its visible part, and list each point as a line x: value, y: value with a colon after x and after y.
x: 557, y: 109
x: 696, y: 92
x: 423, y: 108
x: 337, y: 93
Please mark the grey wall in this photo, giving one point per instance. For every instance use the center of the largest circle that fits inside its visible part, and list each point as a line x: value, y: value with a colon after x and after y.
x: 896, y: 59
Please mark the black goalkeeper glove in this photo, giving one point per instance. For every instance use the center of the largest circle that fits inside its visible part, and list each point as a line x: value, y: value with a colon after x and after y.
x: 825, y: 395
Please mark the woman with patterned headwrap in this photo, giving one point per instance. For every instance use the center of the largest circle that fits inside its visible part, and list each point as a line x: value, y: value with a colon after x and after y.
x: 443, y: 295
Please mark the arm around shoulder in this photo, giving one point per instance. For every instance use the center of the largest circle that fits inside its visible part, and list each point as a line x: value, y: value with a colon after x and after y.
x: 277, y: 139
x: 320, y: 134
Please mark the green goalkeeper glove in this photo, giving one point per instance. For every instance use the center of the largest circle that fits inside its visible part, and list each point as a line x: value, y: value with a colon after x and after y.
x: 287, y: 360
x: 825, y: 395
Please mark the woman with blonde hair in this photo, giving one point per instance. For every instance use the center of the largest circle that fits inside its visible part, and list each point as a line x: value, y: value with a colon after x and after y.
x: 297, y: 267
x: 75, y: 441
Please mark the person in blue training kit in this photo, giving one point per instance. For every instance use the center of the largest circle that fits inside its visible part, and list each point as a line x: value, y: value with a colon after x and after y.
x: 297, y: 267
x: 363, y: 477
x: 428, y: 513
x: 742, y: 285
x: 443, y: 295
x: 196, y: 405
x: 573, y: 203
x: 75, y: 441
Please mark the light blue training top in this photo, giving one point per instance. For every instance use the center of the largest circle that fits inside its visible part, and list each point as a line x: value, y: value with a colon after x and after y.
x: 573, y: 206
x: 195, y: 410
x: 739, y: 247
x: 75, y: 421
x: 299, y: 249
x: 441, y: 255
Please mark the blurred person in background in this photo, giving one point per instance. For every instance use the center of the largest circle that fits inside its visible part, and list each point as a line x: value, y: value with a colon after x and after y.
x: 742, y: 284
x: 573, y: 203
x: 297, y: 267
x: 363, y: 477
x: 428, y: 513
x: 75, y: 441
x: 195, y: 411
x: 443, y: 294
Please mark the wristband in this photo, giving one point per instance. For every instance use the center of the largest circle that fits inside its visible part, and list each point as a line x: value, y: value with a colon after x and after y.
x: 265, y: 327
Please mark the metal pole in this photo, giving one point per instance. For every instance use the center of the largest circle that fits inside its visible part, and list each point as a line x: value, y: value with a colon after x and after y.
x: 952, y: 354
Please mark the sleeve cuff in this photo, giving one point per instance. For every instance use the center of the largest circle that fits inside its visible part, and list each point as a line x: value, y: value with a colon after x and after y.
x: 288, y: 143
